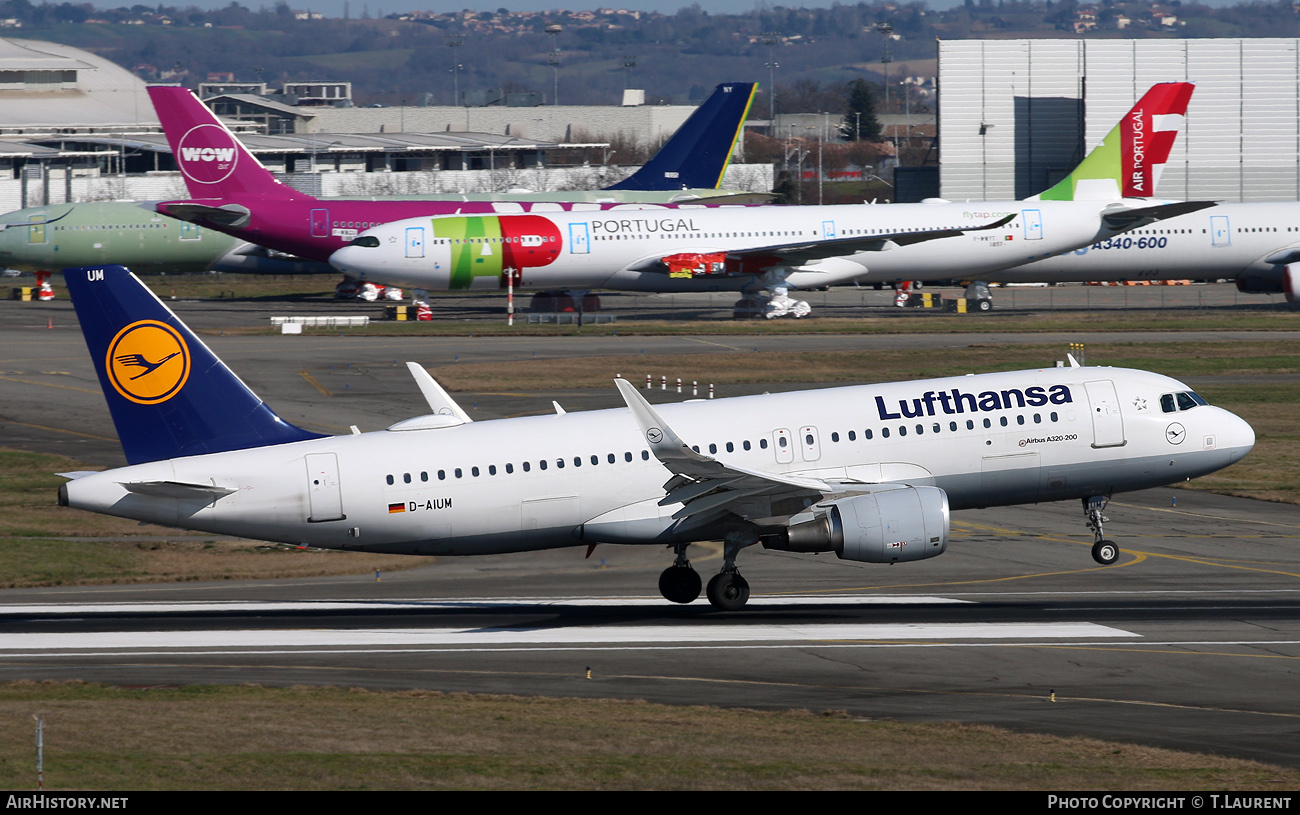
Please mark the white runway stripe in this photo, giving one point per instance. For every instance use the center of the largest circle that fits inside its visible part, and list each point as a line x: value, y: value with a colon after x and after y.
x: 448, y: 603
x: 569, y: 635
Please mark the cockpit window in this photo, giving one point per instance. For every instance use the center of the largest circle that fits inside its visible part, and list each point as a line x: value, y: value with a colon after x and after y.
x: 1174, y: 402
x: 365, y: 240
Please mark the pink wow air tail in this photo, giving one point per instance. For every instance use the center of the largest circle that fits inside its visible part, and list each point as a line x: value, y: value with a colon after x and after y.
x: 212, y: 161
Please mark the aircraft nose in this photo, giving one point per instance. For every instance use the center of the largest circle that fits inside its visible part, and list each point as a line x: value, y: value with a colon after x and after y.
x: 342, y: 257
x: 1240, y: 435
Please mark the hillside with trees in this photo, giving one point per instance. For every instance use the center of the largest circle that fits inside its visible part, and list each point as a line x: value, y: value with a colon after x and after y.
x: 814, y: 53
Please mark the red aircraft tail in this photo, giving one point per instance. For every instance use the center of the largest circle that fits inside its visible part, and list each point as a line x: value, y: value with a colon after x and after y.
x: 213, y: 162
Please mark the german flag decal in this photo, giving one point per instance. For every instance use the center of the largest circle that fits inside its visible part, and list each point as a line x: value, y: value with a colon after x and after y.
x: 396, y: 508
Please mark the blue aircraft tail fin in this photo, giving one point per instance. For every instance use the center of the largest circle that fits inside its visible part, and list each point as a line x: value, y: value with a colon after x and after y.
x: 168, y: 393
x: 697, y: 155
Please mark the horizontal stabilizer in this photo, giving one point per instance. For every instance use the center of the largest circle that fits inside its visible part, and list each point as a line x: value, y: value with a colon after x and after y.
x: 1121, y: 218
x: 177, y: 489
x: 231, y: 215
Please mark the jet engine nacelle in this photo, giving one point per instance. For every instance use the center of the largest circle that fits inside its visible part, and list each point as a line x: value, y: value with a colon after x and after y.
x: 1283, y: 278
x: 887, y: 526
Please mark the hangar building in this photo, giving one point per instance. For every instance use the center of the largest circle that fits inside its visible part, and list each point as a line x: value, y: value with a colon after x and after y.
x: 1016, y: 115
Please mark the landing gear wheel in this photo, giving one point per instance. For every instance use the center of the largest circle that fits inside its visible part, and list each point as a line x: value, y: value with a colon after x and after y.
x: 679, y: 584
x: 728, y: 591
x: 1105, y: 552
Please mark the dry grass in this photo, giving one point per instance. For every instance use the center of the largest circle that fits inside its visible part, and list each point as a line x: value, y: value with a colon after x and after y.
x: 743, y: 365
x: 875, y: 322
x: 1272, y: 470
x: 210, y: 737
x: 43, y: 544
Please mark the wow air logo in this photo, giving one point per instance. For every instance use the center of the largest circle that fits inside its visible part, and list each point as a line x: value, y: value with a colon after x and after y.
x: 148, y: 362
x: 207, y: 154
x: 490, y: 246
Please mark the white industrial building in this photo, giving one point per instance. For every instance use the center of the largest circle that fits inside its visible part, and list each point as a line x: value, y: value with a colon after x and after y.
x: 75, y: 127
x: 1016, y: 115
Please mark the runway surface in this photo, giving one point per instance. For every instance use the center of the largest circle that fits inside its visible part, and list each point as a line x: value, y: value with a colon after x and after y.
x: 1191, y: 641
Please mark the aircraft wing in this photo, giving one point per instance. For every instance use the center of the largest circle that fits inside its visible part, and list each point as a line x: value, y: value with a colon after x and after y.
x: 798, y: 254
x: 1121, y: 218
x: 4, y: 226
x: 706, y: 487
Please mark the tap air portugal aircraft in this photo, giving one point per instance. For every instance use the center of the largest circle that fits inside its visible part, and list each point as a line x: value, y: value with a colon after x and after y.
x: 771, y: 248
x: 868, y: 472
x: 45, y: 239
x: 233, y: 193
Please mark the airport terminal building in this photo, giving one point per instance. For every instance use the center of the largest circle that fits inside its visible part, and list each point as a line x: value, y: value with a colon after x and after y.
x: 1016, y: 115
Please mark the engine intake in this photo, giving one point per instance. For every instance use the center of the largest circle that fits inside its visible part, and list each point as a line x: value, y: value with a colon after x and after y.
x: 887, y: 526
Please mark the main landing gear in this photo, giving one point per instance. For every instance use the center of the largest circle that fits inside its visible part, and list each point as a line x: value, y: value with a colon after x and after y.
x: 679, y: 583
x: 727, y: 590
x: 1104, y: 551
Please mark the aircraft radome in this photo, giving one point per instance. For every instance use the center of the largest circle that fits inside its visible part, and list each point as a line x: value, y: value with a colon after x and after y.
x: 769, y: 249
x: 869, y: 472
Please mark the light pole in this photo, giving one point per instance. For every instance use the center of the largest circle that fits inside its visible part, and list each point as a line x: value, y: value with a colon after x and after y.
x: 554, y: 59
x: 455, y: 41
x: 886, y: 56
x: 770, y: 39
x: 629, y: 62
x: 826, y: 123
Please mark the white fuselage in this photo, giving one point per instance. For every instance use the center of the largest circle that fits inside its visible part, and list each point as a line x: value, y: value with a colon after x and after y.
x: 622, y: 249
x: 1226, y: 241
x: 550, y: 481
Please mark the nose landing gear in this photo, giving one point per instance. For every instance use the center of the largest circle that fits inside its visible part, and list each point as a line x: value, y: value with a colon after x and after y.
x: 1104, y: 551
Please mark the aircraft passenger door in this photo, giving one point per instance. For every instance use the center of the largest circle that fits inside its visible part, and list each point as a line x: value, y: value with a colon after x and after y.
x: 809, y: 444
x: 320, y: 223
x: 782, y: 446
x: 1107, y: 422
x: 36, y: 230
x: 190, y: 232
x: 323, y: 492
x: 1033, y: 224
x: 1220, y: 232
x: 415, y: 241
x: 828, y: 229
x: 579, y: 239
